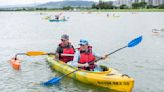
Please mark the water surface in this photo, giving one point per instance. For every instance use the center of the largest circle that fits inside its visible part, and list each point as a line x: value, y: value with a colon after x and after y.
x: 28, y: 31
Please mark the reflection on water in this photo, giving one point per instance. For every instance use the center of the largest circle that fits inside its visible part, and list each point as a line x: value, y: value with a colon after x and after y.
x: 29, y: 31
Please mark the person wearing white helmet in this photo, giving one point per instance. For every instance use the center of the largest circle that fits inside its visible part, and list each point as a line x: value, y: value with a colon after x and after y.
x: 84, y: 56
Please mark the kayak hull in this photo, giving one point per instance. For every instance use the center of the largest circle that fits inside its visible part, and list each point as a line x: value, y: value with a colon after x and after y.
x: 110, y: 79
x: 52, y: 20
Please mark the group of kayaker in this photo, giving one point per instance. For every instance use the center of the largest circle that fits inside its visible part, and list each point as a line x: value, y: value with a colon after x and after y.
x: 82, y: 57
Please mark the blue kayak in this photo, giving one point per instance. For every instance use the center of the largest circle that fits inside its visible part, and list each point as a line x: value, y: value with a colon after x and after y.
x: 55, y: 20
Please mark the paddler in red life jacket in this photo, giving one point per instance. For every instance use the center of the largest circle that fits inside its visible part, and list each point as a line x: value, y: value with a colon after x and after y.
x: 84, y: 56
x: 65, y: 47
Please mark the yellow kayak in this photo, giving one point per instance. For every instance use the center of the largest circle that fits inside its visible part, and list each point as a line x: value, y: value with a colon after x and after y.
x: 110, y: 78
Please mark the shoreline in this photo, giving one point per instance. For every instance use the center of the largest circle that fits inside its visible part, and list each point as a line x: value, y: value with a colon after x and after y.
x: 92, y: 10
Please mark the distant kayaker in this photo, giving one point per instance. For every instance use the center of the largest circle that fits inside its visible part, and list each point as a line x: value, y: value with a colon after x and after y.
x: 107, y: 15
x: 65, y: 47
x: 84, y: 56
x: 57, y: 17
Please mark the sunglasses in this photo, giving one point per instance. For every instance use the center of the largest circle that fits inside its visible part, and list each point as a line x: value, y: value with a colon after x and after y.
x: 63, y: 40
x: 82, y: 45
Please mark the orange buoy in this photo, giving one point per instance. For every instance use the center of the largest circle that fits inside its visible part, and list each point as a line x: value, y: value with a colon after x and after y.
x: 15, y: 63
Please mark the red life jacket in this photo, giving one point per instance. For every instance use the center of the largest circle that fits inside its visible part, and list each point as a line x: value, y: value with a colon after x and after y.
x: 66, y: 50
x: 87, y: 57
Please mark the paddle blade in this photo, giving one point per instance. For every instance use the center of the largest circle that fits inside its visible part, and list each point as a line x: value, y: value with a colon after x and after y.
x: 135, y: 42
x: 35, y: 53
x: 53, y: 81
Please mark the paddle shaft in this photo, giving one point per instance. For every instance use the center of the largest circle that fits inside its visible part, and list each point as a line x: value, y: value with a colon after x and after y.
x: 132, y: 43
x: 112, y: 53
x: 70, y: 73
x: 35, y: 53
x: 19, y: 54
x: 60, y: 54
x: 16, y: 55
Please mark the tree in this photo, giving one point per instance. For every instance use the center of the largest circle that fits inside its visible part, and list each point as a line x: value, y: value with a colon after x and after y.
x: 161, y: 6
x: 94, y: 6
x: 135, y: 5
x: 149, y: 6
x: 142, y: 4
x: 103, y: 5
x: 124, y: 6
x: 67, y: 8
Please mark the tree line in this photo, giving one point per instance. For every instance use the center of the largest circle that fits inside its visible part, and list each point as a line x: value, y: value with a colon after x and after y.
x: 100, y: 5
x: 139, y: 5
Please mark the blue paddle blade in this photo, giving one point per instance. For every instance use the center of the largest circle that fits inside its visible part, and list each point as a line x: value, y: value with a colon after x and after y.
x: 135, y: 41
x: 53, y: 81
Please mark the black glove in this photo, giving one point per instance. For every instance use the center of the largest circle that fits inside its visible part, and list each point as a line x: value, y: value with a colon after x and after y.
x: 51, y: 53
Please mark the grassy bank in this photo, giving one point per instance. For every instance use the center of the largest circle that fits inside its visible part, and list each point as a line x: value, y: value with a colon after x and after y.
x: 95, y: 10
x: 123, y: 10
x: 108, y: 10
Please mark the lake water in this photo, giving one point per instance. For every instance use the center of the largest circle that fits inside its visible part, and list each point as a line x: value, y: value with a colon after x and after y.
x: 29, y: 31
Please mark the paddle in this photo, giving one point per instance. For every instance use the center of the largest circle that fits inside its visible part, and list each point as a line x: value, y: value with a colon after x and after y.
x: 37, y: 53
x: 132, y: 43
x: 31, y: 53
x: 15, y: 62
x: 56, y: 80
